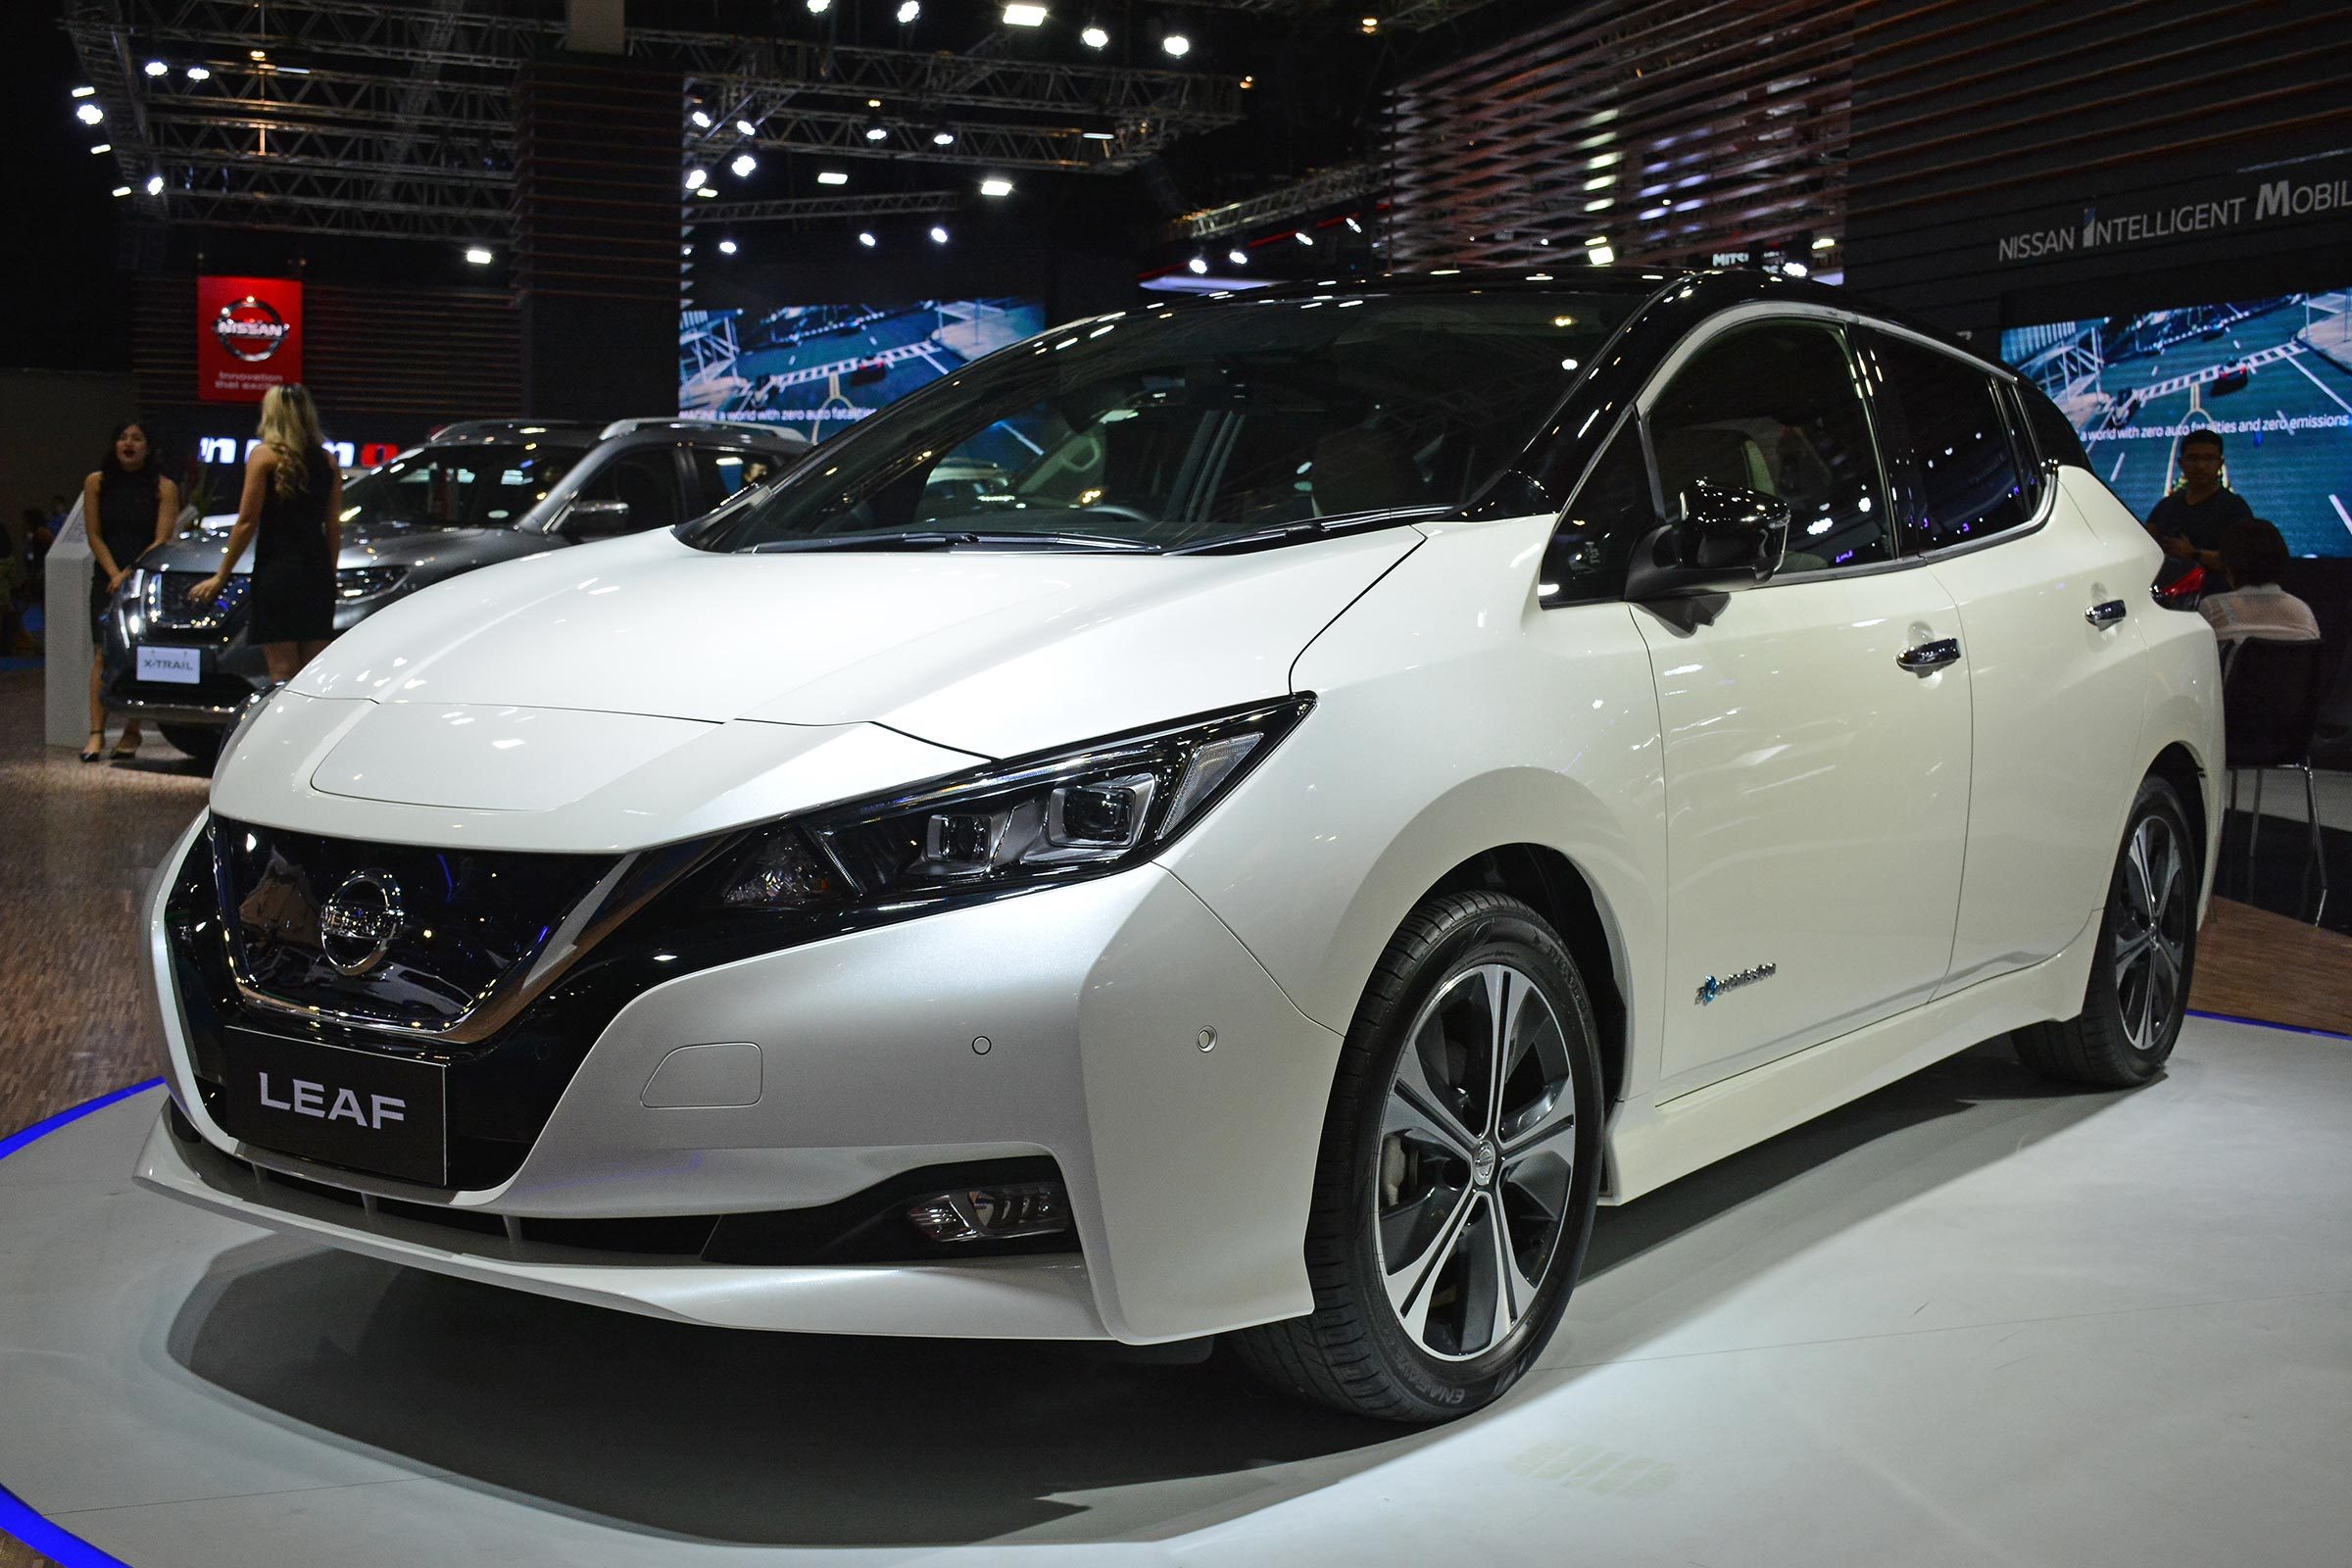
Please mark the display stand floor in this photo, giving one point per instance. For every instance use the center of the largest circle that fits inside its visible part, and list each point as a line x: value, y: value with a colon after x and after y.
x: 1969, y: 1320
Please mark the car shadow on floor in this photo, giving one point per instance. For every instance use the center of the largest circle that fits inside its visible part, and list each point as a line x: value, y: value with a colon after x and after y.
x: 789, y: 1440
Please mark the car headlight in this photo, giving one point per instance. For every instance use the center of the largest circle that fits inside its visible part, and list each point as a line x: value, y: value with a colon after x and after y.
x: 1058, y: 816
x: 367, y: 582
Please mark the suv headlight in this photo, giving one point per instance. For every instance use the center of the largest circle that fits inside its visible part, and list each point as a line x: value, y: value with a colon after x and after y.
x: 367, y: 582
x: 1054, y: 817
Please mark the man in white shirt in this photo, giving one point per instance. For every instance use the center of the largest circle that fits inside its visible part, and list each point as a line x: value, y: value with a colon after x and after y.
x: 2253, y: 555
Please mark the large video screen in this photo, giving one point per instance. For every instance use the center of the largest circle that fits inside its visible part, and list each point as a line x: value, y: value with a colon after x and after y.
x: 819, y: 369
x: 2273, y: 377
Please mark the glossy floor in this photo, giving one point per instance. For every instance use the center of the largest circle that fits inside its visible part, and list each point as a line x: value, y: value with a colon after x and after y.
x: 1969, y: 1320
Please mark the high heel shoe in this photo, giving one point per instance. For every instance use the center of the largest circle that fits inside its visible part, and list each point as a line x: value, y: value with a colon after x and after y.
x: 92, y: 754
x: 125, y: 749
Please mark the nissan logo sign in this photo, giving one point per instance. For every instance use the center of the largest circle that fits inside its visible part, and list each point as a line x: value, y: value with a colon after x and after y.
x: 359, y: 922
x: 249, y: 329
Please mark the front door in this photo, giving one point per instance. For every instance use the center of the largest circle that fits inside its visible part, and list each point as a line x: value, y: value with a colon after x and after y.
x: 1816, y: 729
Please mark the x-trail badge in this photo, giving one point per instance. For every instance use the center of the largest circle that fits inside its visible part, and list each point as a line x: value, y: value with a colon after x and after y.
x: 356, y: 924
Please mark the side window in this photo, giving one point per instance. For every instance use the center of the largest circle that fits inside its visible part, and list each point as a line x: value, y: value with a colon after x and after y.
x: 1777, y: 408
x: 720, y: 473
x: 1611, y: 513
x: 647, y: 480
x: 1964, y: 472
x: 2052, y: 431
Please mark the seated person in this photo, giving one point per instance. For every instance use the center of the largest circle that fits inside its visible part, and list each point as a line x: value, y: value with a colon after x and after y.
x: 2252, y: 556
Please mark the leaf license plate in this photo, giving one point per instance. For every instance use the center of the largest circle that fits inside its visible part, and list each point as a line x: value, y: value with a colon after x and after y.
x: 355, y: 1108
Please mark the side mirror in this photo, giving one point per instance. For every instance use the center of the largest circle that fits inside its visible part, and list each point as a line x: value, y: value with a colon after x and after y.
x: 596, y: 519
x: 1725, y: 539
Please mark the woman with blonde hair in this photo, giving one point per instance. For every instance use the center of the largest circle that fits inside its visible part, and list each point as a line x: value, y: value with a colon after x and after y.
x: 293, y: 498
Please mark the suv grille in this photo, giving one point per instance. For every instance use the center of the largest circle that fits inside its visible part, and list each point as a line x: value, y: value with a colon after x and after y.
x: 169, y: 608
x: 421, y: 937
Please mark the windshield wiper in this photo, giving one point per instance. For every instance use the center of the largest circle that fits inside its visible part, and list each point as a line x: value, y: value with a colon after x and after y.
x: 940, y: 539
x: 1312, y: 528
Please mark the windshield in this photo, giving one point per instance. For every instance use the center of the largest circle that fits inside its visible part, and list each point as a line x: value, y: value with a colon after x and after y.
x: 460, y: 487
x: 1186, y: 429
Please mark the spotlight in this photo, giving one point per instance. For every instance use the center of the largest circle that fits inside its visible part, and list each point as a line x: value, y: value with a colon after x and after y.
x: 743, y: 165
x: 939, y: 236
x: 89, y: 113
x: 1824, y: 243
x: 943, y: 137
x: 702, y: 121
x: 85, y: 92
x: 104, y: 147
x: 707, y: 192
x: 200, y: 72
x: 817, y: 8
x: 155, y: 184
x: 1370, y: 24
x: 996, y: 185
x: 480, y: 255
x: 156, y: 67
x: 1794, y: 269
x: 695, y: 178
x: 1024, y: 16
x: 1177, y: 45
x: 1198, y: 264
x: 744, y: 127
x: 910, y: 10
x: 832, y: 176
x: 866, y: 237
x: 1302, y: 236
x: 1598, y: 253
x: 726, y: 247
x: 1094, y: 38
x: 1354, y: 228
x: 877, y: 132
x: 121, y: 191
x: 1097, y: 135
x: 1238, y: 258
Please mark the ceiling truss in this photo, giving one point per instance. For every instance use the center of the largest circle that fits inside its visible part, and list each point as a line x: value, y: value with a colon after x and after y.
x: 349, y: 117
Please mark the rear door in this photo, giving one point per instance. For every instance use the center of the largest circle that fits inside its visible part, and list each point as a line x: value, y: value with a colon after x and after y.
x: 2050, y: 615
x: 1816, y: 787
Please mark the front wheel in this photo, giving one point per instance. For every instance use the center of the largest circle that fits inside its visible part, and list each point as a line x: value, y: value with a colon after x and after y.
x: 1459, y: 1168
x: 199, y: 741
x: 2148, y: 952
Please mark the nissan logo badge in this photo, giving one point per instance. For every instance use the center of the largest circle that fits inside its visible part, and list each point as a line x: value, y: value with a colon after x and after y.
x: 249, y: 329
x: 357, y: 924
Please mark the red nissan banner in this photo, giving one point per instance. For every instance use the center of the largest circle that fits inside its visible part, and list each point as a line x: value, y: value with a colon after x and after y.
x: 248, y: 336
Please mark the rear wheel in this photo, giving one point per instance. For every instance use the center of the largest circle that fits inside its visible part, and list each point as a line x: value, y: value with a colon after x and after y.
x: 1459, y: 1166
x: 2146, y: 953
x: 200, y: 741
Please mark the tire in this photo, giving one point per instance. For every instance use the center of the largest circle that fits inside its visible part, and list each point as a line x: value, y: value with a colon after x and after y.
x: 1425, y: 1030
x: 2147, y: 955
x: 200, y: 741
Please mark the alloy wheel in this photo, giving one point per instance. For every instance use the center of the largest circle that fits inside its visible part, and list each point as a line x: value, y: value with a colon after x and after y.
x: 2152, y: 932
x: 1477, y: 1155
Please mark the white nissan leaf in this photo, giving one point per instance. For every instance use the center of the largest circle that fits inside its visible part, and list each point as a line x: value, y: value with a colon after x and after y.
x: 1249, y: 819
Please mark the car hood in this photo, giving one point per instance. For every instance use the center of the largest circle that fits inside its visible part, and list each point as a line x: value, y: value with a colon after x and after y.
x: 365, y: 543
x: 993, y: 654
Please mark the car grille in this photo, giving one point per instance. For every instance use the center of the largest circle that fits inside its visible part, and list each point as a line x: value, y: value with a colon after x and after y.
x: 456, y: 924
x: 169, y: 608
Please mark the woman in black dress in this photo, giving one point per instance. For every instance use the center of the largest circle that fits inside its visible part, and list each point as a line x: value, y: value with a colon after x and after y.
x: 127, y: 509
x: 293, y: 498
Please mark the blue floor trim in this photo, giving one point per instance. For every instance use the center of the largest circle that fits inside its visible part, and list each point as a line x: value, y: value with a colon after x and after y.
x: 2265, y: 1023
x: 17, y: 1518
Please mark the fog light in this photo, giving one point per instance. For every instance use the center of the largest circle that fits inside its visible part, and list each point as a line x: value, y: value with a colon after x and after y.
x: 992, y: 1214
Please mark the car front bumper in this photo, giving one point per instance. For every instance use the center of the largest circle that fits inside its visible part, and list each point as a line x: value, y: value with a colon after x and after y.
x: 1114, y: 1025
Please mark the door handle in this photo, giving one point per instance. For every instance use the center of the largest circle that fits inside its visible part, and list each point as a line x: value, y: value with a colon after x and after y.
x: 1928, y: 657
x: 2105, y: 614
